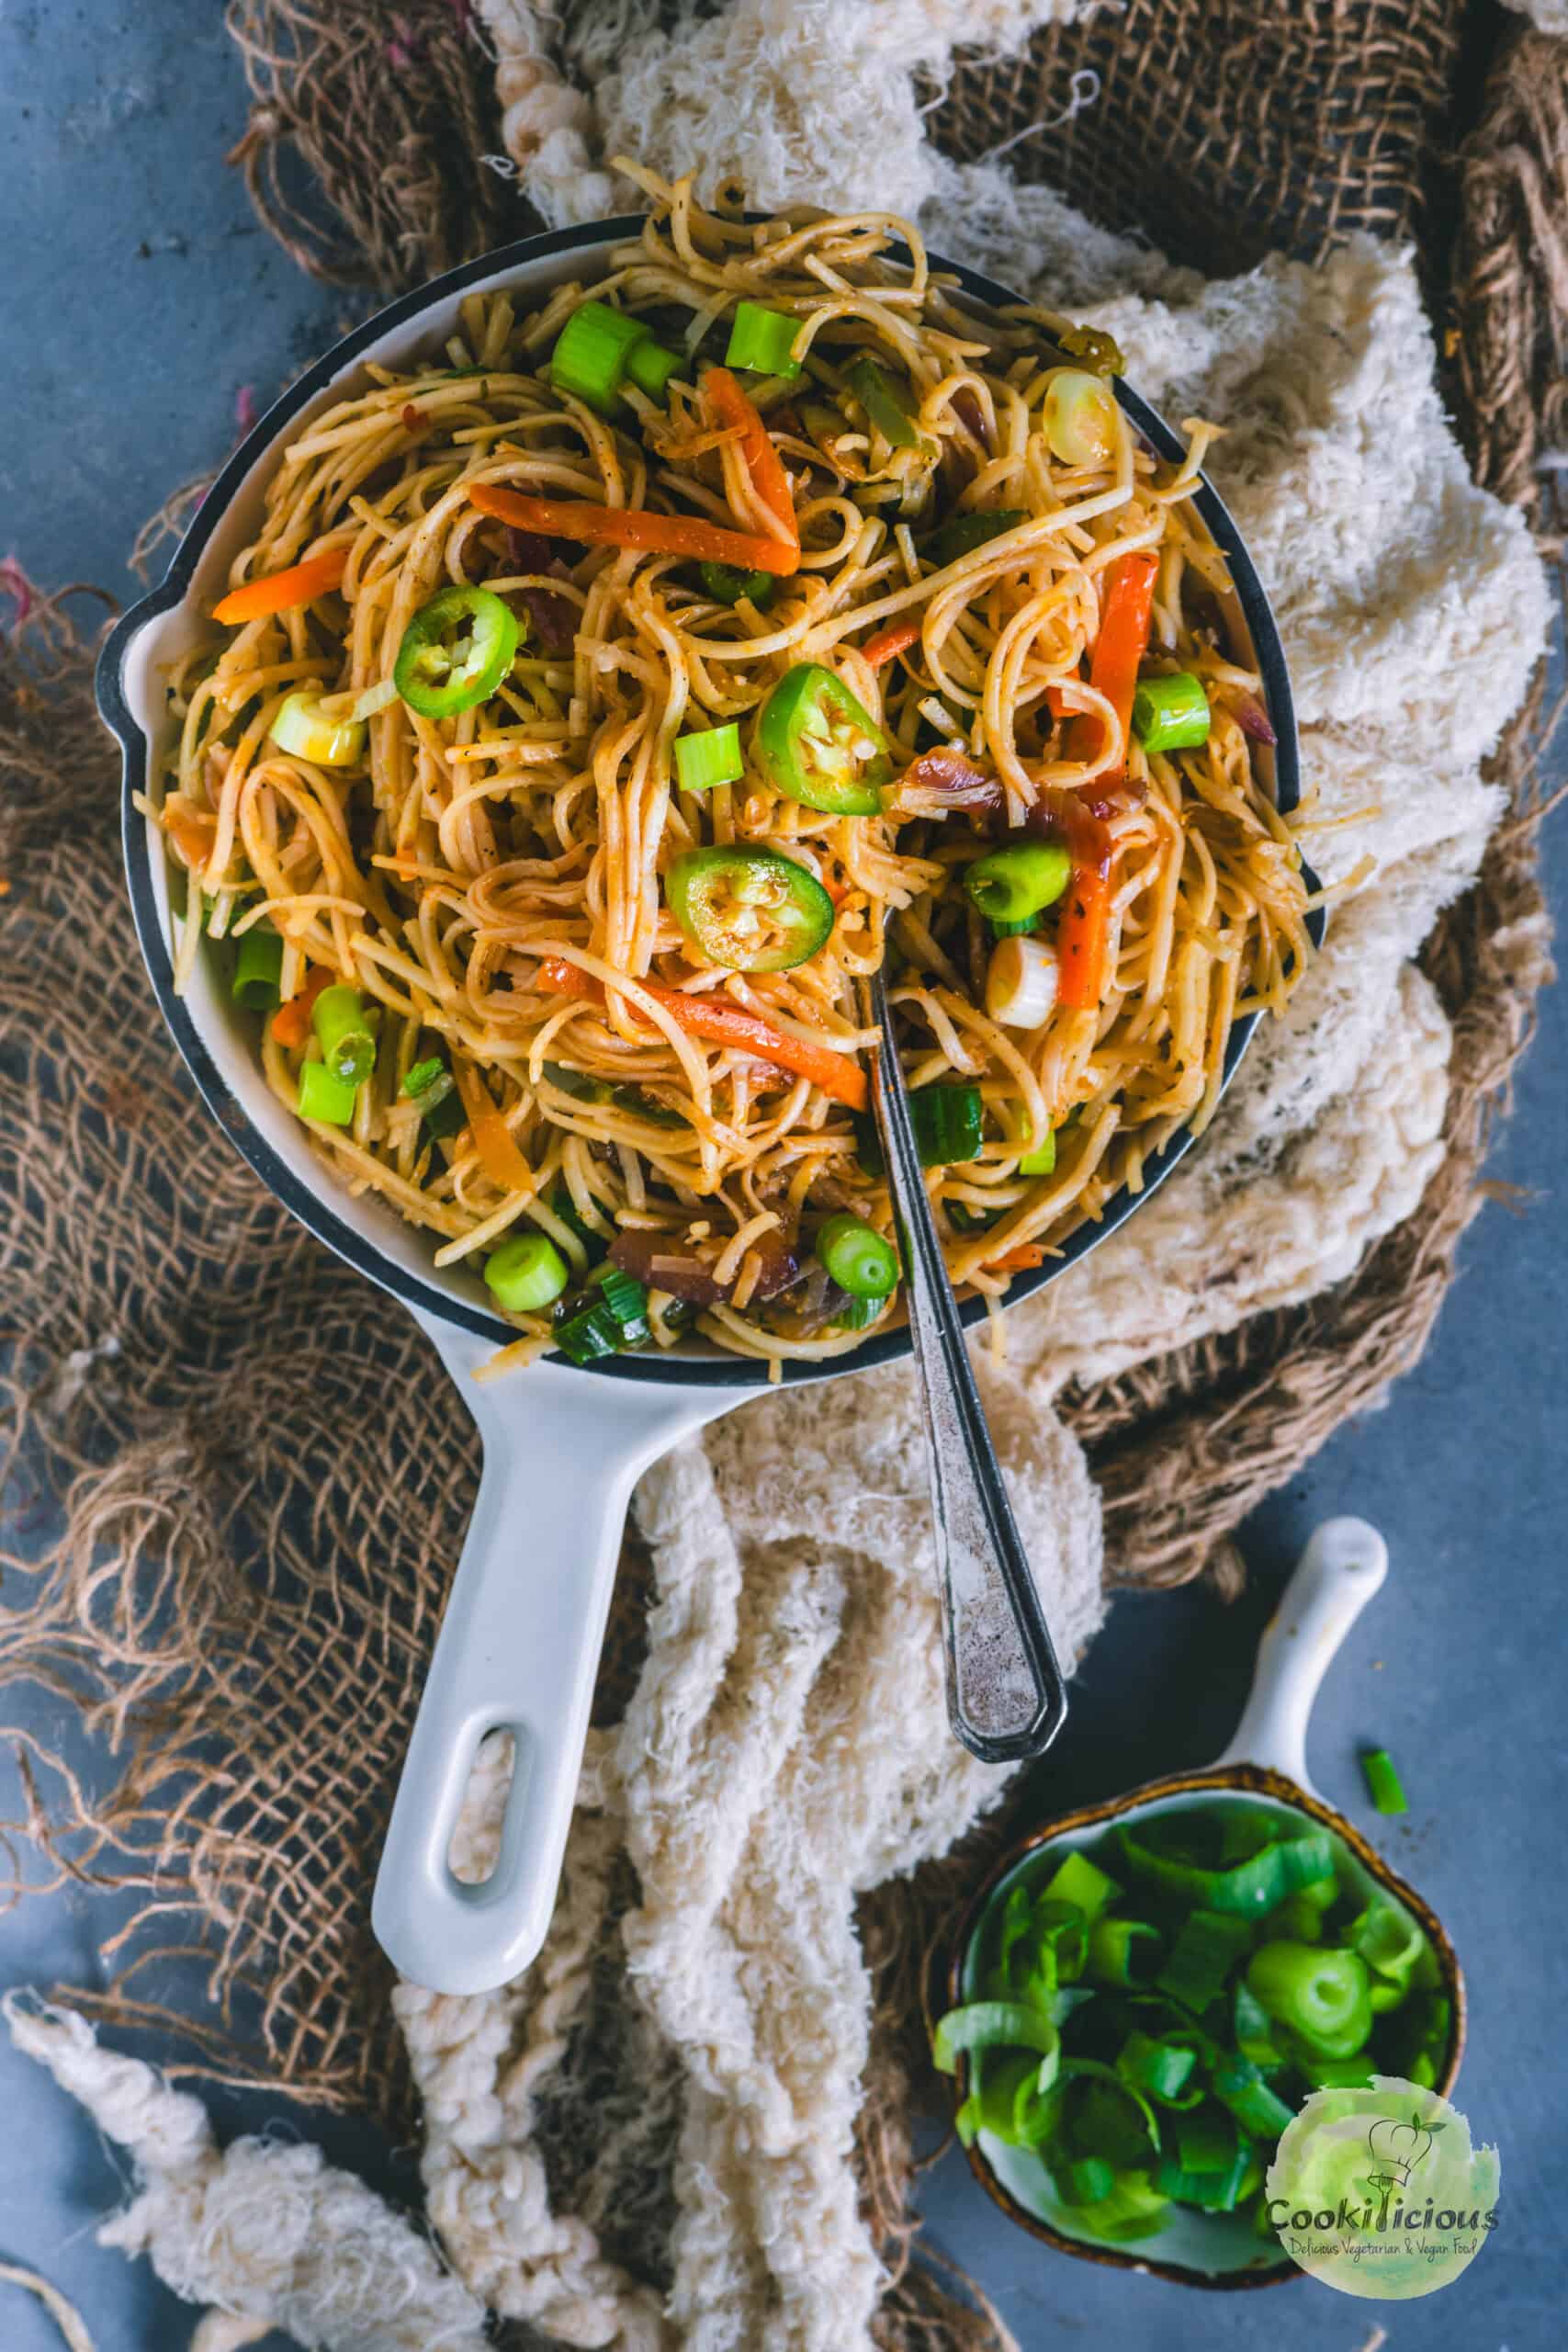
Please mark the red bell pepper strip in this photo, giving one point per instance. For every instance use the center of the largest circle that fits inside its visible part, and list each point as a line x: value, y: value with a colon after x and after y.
x: 291, y: 1022
x: 636, y: 527
x: 889, y: 642
x: 724, y: 1024
x: 731, y: 408
x: 279, y: 592
x: 1118, y: 651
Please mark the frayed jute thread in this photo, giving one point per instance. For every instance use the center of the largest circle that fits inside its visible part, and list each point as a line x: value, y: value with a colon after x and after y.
x: 233, y: 1582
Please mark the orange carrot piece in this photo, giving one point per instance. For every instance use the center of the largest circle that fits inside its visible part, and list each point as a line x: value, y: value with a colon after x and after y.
x: 1083, y: 937
x: 279, y: 592
x: 731, y: 407
x: 1017, y: 1261
x: 889, y: 642
x: 291, y: 1022
x: 636, y: 527
x: 497, y: 1155
x: 192, y: 832
x: 724, y: 1024
x: 1119, y: 649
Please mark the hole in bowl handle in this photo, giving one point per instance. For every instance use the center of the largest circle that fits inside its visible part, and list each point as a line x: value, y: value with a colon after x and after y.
x: 1344, y: 1564
x: 518, y: 1651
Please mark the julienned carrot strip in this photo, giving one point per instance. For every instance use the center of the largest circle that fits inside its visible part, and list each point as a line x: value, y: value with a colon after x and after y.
x: 635, y: 526
x: 497, y: 1155
x: 1017, y: 1261
x: 279, y: 592
x: 1083, y: 937
x: 730, y: 406
x: 723, y: 1023
x: 1119, y: 649
x: 192, y: 832
x: 889, y: 642
x: 291, y: 1022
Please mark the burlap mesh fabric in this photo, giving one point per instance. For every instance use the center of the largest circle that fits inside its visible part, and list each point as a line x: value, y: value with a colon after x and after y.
x: 266, y: 1473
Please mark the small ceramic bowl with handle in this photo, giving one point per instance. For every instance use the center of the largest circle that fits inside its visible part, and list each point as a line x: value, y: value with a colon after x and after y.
x: 1263, y: 1768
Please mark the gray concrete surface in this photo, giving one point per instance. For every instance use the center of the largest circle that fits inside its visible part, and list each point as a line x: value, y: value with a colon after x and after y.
x: 137, y: 298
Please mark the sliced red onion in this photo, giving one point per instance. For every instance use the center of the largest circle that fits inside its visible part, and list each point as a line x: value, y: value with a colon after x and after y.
x: 1252, y: 718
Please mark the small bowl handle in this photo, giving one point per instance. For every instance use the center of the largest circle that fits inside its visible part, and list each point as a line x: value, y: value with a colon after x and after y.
x: 1344, y: 1564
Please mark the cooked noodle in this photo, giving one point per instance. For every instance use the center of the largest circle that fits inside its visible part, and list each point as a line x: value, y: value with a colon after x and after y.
x: 438, y: 870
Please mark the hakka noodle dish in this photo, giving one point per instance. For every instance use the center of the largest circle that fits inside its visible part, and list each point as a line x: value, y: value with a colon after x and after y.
x: 604, y: 699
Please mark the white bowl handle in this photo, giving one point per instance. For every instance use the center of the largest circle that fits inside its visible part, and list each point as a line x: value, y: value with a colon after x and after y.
x: 1343, y: 1565
x: 518, y: 1651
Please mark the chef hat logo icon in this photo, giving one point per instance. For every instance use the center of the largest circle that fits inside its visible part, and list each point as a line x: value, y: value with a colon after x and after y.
x: 1399, y: 2147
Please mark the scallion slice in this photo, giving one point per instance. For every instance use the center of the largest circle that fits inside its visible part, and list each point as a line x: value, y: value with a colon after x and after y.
x: 883, y: 405
x: 761, y: 339
x: 858, y: 1257
x: 591, y: 354
x: 349, y: 1049
x: 325, y: 1097
x: 1171, y: 714
x: 709, y: 758
x: 526, y: 1274
x: 1383, y: 1784
x: 650, y: 366
x: 258, y: 968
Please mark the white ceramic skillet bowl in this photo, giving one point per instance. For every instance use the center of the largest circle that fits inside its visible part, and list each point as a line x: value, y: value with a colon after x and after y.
x: 563, y: 1447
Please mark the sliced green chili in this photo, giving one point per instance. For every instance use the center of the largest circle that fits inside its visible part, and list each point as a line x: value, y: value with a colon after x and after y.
x: 1013, y: 885
x: 258, y: 968
x: 883, y: 405
x: 817, y: 743
x: 456, y: 652
x: 749, y: 909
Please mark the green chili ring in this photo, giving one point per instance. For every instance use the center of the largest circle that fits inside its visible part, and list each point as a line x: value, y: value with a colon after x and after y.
x: 456, y: 652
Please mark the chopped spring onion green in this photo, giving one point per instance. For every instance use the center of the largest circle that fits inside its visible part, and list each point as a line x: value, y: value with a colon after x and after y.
x: 610, y: 1315
x: 349, y: 1049
x: 526, y: 1274
x: 650, y: 366
x: 431, y: 1085
x: 859, y: 1314
x: 709, y: 758
x: 1123, y: 1951
x: 962, y: 534
x: 258, y: 968
x: 858, y: 1257
x: 1014, y: 884
x: 1013, y: 930
x: 626, y: 1300
x: 1383, y: 1784
x: 1207, y: 1947
x: 1041, y: 1160
x: 761, y: 339
x: 1171, y: 714
x: 1319, y: 1992
x: 883, y: 405
x: 1080, y: 1882
x: 593, y: 355
x: 1148, y: 2046
x: 947, y: 1121
x: 326, y: 1097
x: 727, y: 584
x: 1023, y: 981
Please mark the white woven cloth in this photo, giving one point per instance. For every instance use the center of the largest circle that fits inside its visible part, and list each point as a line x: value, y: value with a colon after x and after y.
x: 786, y: 1746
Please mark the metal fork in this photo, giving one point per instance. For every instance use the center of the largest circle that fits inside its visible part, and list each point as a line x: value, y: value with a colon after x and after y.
x: 1005, y: 1694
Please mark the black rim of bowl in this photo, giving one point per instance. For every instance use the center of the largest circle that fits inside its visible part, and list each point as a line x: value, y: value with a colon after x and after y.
x: 339, y: 1232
